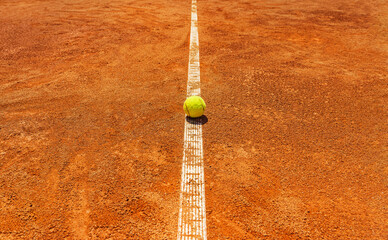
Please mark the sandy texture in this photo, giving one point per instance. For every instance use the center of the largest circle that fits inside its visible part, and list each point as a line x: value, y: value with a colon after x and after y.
x: 91, y: 119
x: 296, y: 143
x: 91, y: 122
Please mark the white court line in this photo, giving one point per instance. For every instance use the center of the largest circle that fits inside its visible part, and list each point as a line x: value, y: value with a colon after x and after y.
x: 192, y: 211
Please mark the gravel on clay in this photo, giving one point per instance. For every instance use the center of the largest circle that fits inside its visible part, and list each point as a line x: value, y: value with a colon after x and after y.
x: 91, y: 118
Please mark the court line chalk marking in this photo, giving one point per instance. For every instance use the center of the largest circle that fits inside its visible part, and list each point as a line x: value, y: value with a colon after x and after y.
x: 192, y: 211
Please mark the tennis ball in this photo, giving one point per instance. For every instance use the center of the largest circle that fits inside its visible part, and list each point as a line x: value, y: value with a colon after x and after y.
x: 194, y: 106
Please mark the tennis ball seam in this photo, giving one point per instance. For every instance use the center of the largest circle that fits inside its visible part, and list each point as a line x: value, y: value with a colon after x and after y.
x: 187, y: 110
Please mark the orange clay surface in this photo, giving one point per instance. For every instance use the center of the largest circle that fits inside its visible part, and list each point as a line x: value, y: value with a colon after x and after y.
x: 91, y: 119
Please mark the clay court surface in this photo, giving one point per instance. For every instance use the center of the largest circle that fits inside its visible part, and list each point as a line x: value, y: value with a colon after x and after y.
x: 91, y: 118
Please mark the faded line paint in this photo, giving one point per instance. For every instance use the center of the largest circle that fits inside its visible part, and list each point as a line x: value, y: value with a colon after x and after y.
x: 192, y: 211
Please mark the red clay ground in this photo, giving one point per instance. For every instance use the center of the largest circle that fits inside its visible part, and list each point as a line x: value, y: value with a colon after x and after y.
x: 91, y: 125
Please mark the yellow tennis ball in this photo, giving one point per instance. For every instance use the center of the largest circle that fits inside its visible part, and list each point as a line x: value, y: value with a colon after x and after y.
x: 194, y: 106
